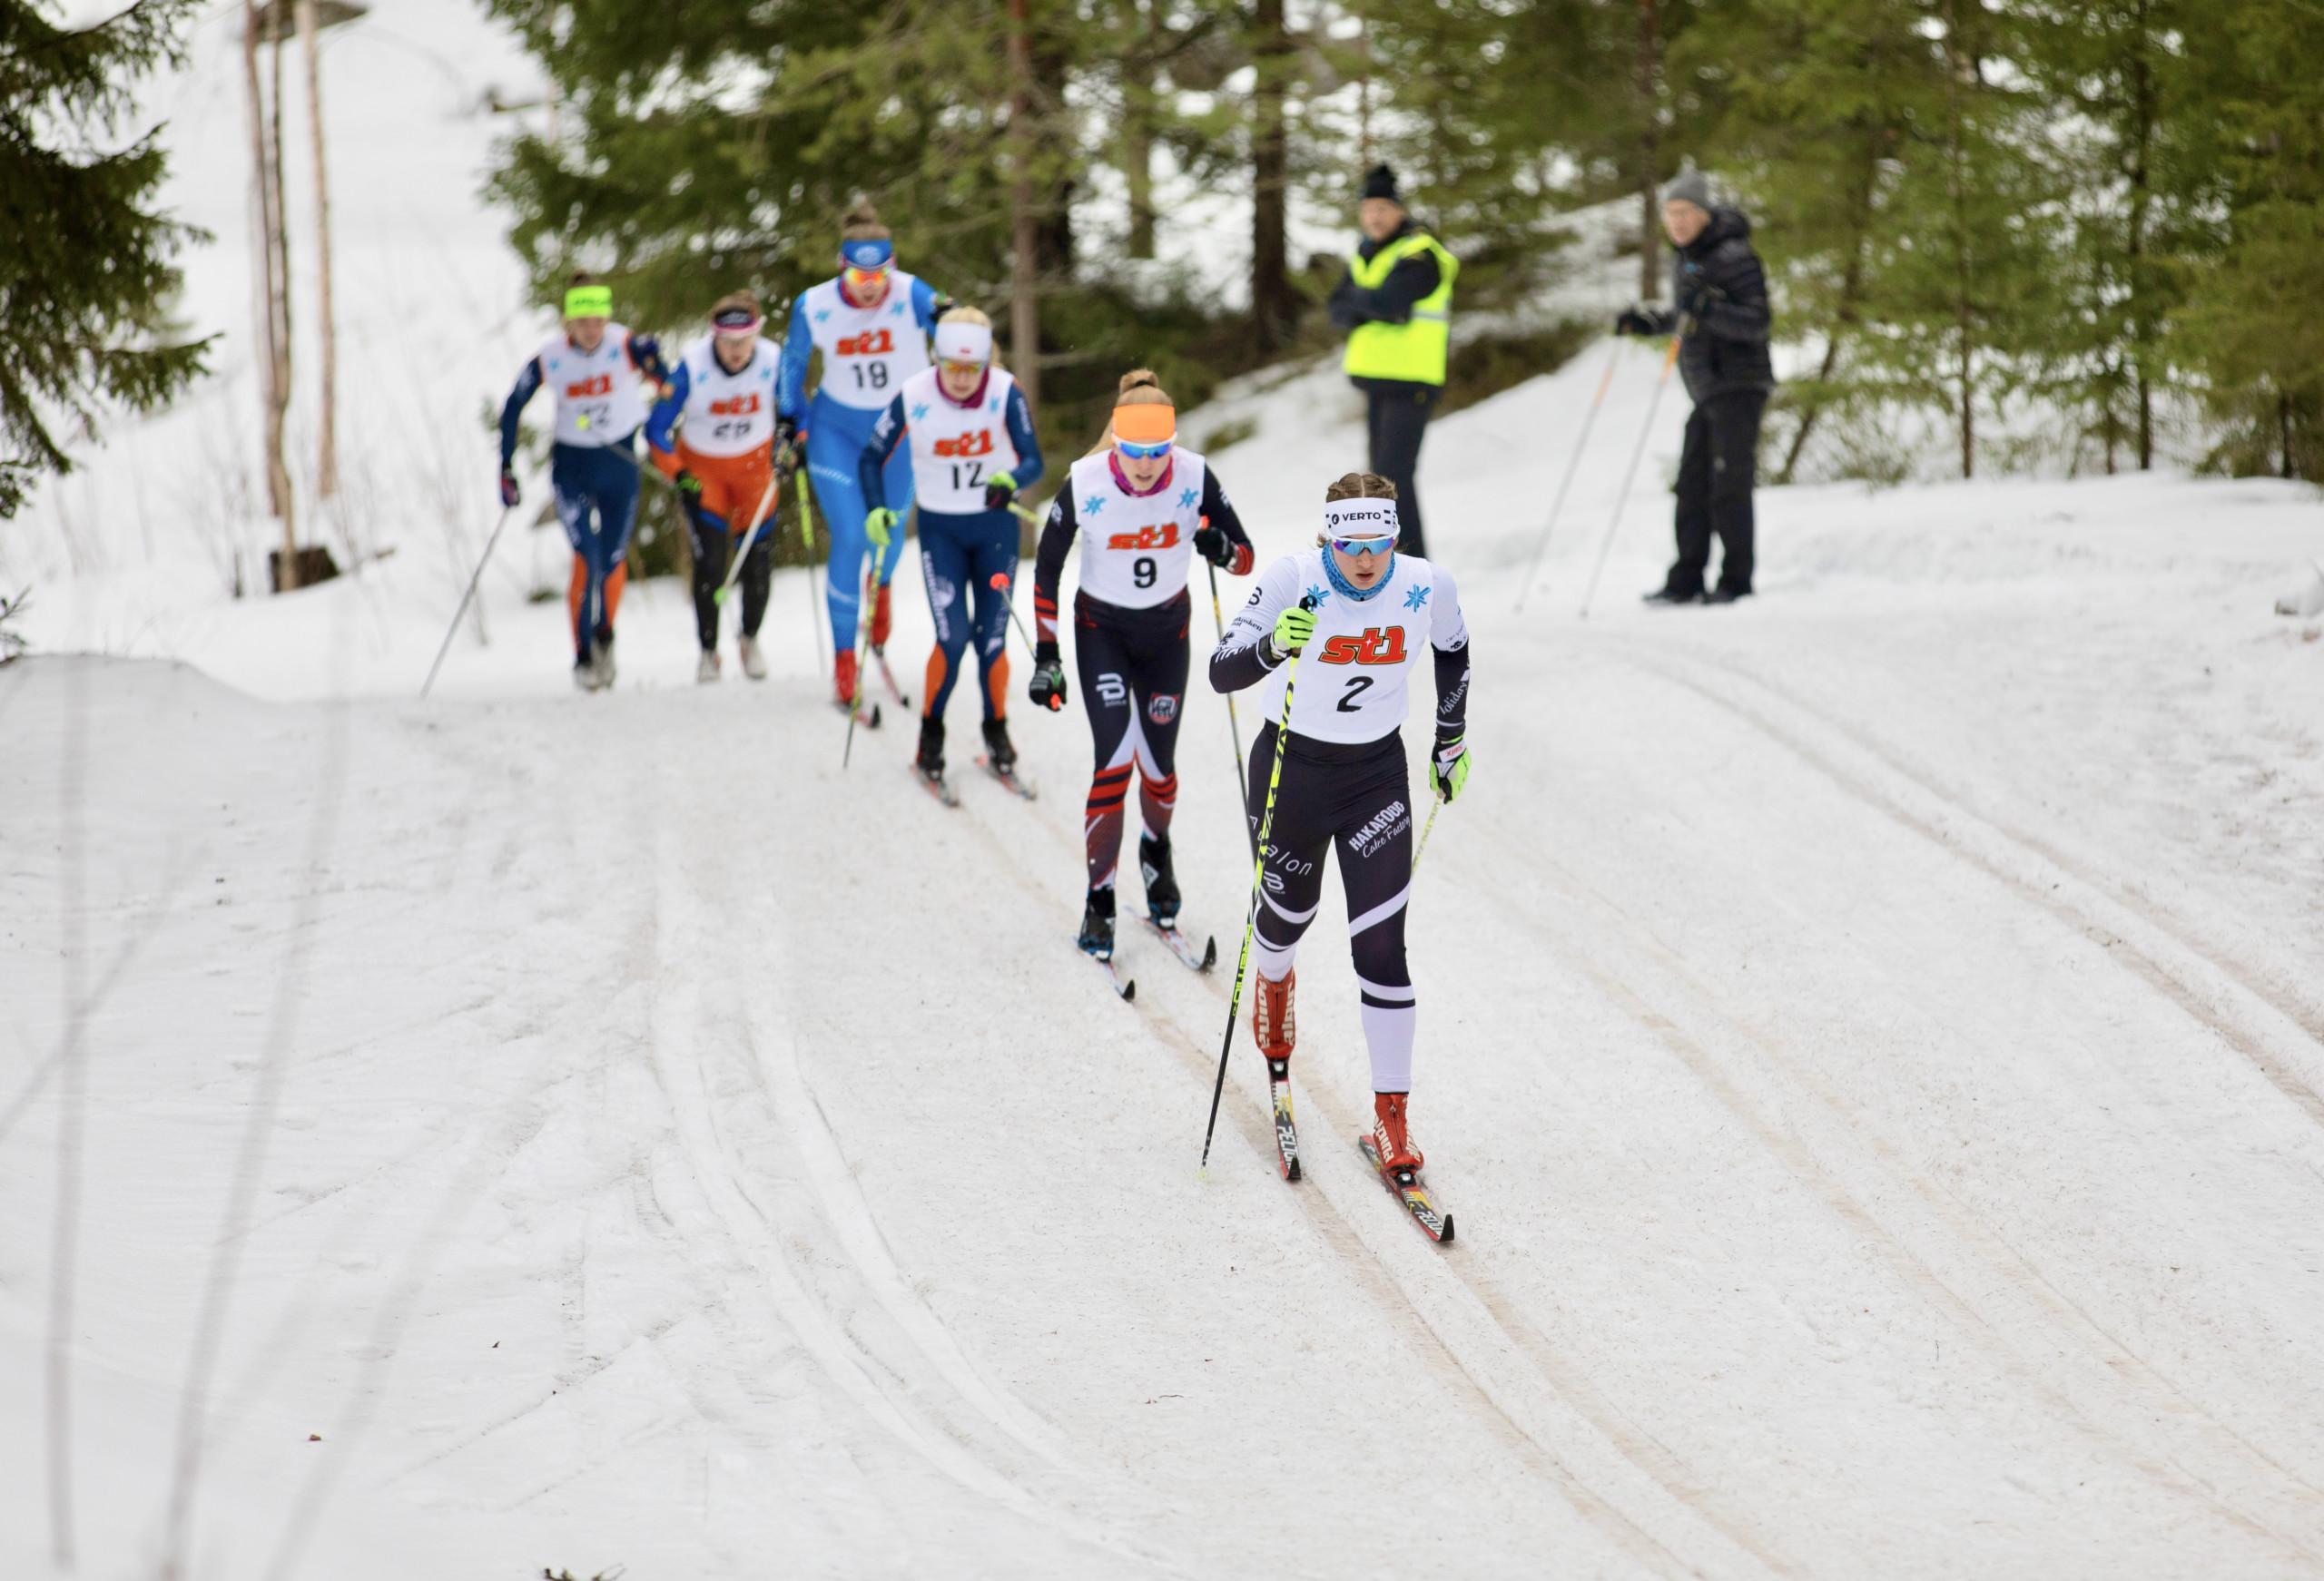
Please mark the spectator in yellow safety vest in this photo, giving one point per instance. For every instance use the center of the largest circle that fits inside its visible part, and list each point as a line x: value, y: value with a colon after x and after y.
x: 1395, y: 302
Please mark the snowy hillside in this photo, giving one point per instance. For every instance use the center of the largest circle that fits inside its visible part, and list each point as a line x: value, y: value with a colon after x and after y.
x: 1872, y: 1037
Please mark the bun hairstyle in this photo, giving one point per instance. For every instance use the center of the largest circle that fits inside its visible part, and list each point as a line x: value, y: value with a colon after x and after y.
x: 861, y: 223
x: 1140, y: 387
x: 1354, y: 486
x: 966, y: 315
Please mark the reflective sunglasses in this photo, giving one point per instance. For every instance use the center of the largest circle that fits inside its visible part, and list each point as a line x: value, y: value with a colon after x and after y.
x: 1136, y: 452
x: 863, y: 280
x: 1365, y: 546
x: 949, y: 366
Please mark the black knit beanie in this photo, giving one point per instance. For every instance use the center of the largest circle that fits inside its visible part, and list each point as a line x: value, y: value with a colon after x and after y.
x: 1379, y: 181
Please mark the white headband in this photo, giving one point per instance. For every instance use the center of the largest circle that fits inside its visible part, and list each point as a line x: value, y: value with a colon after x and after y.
x: 963, y: 343
x: 1360, y: 518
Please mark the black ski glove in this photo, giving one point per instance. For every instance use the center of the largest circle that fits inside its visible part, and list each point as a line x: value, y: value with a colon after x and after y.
x: 1048, y: 688
x: 786, y: 446
x: 1636, y: 321
x: 1214, y: 546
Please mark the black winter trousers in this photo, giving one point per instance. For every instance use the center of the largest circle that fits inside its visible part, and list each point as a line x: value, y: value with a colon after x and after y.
x: 713, y: 548
x: 1717, y: 468
x: 1395, y: 420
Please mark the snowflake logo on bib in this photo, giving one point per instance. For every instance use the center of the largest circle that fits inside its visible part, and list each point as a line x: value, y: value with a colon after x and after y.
x: 919, y: 412
x: 1417, y: 596
x: 1094, y: 506
x: 822, y: 314
x: 1187, y: 498
x: 1318, y: 595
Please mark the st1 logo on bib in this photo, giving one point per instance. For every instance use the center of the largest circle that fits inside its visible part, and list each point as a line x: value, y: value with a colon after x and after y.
x: 1165, y: 536
x: 870, y: 343
x: 977, y: 443
x: 1377, y: 645
x: 741, y: 406
x: 600, y: 385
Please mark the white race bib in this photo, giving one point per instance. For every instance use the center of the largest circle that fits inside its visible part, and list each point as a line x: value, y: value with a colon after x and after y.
x: 868, y: 352
x: 729, y: 414
x: 600, y: 397
x: 1136, y: 549
x: 956, y: 448
x: 1354, y: 681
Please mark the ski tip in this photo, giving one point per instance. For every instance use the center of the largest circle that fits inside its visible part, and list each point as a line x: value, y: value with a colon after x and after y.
x: 1446, y: 1238
x: 1210, y: 953
x: 1293, y: 1172
x: 875, y: 716
x: 1129, y: 991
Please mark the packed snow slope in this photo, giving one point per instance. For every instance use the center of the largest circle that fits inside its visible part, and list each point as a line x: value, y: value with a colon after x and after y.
x: 1871, y: 1040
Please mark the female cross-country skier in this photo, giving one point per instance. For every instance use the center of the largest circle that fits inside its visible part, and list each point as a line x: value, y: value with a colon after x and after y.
x: 972, y: 449
x: 724, y: 458
x: 1144, y: 509
x: 870, y: 322
x: 595, y: 366
x: 1373, y: 614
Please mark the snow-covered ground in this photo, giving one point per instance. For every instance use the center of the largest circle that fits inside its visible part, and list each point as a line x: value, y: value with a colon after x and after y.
x: 1871, y: 1039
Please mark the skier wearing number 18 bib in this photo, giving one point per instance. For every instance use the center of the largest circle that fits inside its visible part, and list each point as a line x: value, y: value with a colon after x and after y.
x: 971, y: 434
x: 1143, y: 509
x: 870, y: 323
x: 1344, y: 785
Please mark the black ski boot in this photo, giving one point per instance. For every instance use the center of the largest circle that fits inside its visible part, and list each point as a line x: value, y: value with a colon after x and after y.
x: 1097, y: 925
x: 998, y: 750
x: 930, y: 759
x: 1161, y: 883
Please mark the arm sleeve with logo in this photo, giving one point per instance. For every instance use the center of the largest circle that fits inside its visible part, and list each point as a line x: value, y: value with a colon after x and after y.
x: 1048, y: 564
x: 790, y: 373
x: 1029, y: 468
x: 662, y: 422
x: 872, y: 466
x: 511, y: 410
x: 1448, y: 637
x: 1244, y: 656
x: 1218, y: 511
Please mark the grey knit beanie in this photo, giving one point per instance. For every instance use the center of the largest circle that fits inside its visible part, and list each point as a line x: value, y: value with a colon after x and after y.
x: 1688, y: 186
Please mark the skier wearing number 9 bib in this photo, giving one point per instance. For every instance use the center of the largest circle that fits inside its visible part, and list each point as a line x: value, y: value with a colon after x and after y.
x: 595, y: 368
x: 971, y: 441
x: 870, y: 322
x: 1345, y: 784
x: 1143, y: 508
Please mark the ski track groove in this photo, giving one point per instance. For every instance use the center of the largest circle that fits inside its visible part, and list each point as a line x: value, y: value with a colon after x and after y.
x: 2017, y: 860
x: 1735, y: 1550
x: 2119, y: 1370
x: 717, y: 1160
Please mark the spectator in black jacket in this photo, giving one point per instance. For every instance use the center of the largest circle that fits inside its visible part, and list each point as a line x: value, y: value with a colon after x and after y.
x: 1720, y: 316
x: 1395, y: 302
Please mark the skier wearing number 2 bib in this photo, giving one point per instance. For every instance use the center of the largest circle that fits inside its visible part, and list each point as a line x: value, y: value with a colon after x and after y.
x: 971, y: 442
x: 1143, y: 508
x: 870, y: 322
x: 594, y: 367
x: 1345, y: 784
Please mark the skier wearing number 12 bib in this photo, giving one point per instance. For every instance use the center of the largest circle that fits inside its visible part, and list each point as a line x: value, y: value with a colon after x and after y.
x: 870, y: 322
x: 1143, y: 508
x: 971, y: 434
x: 596, y: 369
x: 1345, y: 784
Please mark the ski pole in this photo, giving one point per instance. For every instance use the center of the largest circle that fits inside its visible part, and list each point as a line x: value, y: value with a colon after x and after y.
x: 1258, y: 878
x: 1427, y: 829
x: 1662, y: 380
x: 481, y: 561
x: 758, y: 520
x: 815, y: 588
x: 1573, y: 465
x: 1001, y: 585
x: 1233, y: 724
x: 862, y: 641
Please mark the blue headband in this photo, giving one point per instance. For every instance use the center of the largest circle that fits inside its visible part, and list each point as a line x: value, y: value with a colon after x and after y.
x: 868, y: 253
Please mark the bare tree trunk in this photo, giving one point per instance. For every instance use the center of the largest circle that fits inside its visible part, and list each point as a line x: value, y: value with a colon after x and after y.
x: 1138, y: 128
x: 1024, y: 304
x: 1363, y: 91
x: 274, y: 317
x: 1650, y: 152
x: 2143, y: 108
x: 1273, y: 305
x: 326, y: 461
x: 1958, y: 192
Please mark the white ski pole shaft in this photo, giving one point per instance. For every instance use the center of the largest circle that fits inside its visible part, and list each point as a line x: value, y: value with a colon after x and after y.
x: 742, y: 552
x: 452, y: 630
x: 1629, y: 477
x: 1573, y: 465
x: 1233, y: 724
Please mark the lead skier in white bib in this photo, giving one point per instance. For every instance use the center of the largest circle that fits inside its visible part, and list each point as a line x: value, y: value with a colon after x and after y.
x: 1143, y: 507
x: 1345, y: 784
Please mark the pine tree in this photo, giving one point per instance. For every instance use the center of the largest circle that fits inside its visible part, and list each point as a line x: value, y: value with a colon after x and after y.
x: 86, y: 270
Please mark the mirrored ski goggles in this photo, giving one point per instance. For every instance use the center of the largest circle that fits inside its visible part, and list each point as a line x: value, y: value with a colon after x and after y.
x: 589, y: 303
x: 864, y: 281
x: 1365, y: 546
x: 953, y: 364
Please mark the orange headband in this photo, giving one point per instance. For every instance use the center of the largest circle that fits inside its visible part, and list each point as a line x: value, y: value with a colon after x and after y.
x: 1148, y: 424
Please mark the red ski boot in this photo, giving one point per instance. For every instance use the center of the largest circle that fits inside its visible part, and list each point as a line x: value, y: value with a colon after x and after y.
x: 843, y: 678
x: 1390, y: 1138
x: 883, y: 620
x: 1274, y: 1022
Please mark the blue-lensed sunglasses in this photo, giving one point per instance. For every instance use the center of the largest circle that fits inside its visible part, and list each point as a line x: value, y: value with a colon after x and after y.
x: 1365, y: 546
x: 1137, y: 452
